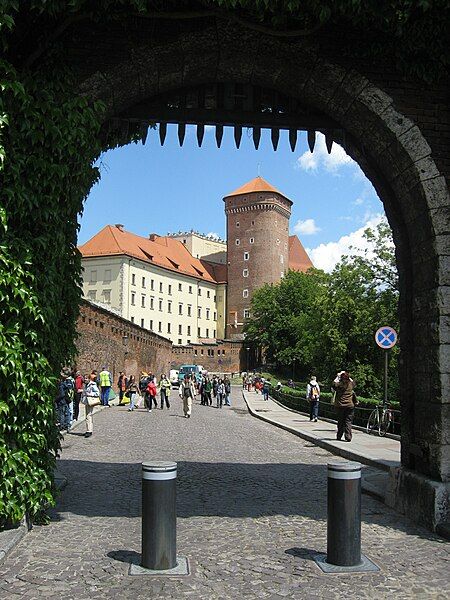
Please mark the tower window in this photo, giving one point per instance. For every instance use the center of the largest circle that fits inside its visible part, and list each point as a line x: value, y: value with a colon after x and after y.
x: 245, y: 293
x: 278, y: 241
x: 245, y: 273
x: 252, y: 240
x: 253, y: 222
x: 246, y: 255
x: 237, y: 223
x: 238, y: 241
x: 281, y: 259
x: 246, y: 313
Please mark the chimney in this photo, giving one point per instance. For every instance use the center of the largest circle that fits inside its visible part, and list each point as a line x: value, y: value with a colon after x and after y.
x: 153, y: 236
x: 119, y: 226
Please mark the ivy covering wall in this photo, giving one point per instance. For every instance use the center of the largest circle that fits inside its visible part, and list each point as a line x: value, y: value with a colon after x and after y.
x: 49, y: 140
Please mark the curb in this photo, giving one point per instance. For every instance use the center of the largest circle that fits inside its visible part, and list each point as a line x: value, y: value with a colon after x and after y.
x: 11, y: 537
x: 345, y: 453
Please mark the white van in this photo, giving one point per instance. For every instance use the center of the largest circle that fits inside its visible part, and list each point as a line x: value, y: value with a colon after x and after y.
x: 173, y: 376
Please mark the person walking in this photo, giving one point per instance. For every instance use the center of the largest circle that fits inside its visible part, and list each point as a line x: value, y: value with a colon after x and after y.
x: 207, y: 391
x: 227, y: 386
x: 64, y: 400
x: 220, y: 394
x: 122, y: 383
x: 266, y: 389
x: 187, y: 393
x: 105, y: 385
x: 79, y: 387
x: 345, y: 402
x: 132, y: 392
x: 150, y: 395
x: 313, y: 395
x: 90, y: 398
x: 164, y: 390
x: 215, y: 385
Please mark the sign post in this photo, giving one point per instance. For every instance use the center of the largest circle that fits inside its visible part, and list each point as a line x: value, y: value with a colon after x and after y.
x: 386, y: 338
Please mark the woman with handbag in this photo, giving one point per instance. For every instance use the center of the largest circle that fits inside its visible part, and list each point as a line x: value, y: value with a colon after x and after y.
x: 91, y: 398
x: 132, y: 392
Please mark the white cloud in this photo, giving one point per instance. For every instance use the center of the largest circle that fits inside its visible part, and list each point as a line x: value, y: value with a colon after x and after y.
x: 307, y: 227
x: 358, y: 202
x: 320, y: 159
x: 326, y: 256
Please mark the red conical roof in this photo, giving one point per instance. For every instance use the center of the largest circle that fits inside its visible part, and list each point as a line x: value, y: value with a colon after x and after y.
x: 258, y: 184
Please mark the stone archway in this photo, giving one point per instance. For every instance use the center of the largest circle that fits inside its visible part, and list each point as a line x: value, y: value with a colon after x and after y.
x: 385, y: 133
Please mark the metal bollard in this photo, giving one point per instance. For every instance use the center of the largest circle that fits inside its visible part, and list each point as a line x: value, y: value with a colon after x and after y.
x: 159, y: 515
x: 344, y: 513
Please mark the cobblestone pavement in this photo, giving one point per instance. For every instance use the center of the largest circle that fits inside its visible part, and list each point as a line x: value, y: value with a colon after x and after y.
x: 251, y: 506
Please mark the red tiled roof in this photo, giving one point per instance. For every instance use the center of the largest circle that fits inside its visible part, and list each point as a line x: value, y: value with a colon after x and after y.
x: 164, y: 252
x: 298, y: 259
x: 258, y: 184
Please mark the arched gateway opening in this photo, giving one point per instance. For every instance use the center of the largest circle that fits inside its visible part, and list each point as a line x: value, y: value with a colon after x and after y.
x: 212, y: 71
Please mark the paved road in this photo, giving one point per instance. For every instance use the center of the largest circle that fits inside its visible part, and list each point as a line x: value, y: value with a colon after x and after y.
x: 252, y: 509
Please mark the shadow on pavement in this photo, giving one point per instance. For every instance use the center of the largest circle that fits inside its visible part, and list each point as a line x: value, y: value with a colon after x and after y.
x: 231, y: 490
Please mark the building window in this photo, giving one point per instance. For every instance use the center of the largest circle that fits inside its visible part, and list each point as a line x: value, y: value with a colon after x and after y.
x: 207, y: 332
x: 189, y: 330
x: 107, y: 277
x: 180, y: 287
x: 215, y: 298
x: 169, y: 289
x: 199, y: 291
x: 142, y: 322
x: 133, y: 299
x: 237, y: 223
x: 143, y: 301
x: 215, y: 316
x: 252, y: 240
x: 207, y: 313
x: 143, y: 282
x: 152, y: 303
x: 214, y: 333
x: 152, y: 284
x: 246, y: 255
x: 151, y: 324
x: 238, y: 241
x: 246, y: 313
x: 92, y: 295
x: 93, y: 278
x: 160, y: 327
x: 169, y: 306
x: 245, y: 273
x: 168, y: 327
x: 190, y: 289
x: 189, y: 341
x: 208, y: 294
x: 278, y: 241
x: 180, y: 342
x: 198, y: 333
x: 281, y: 259
x: 245, y: 293
x: 160, y: 287
x: 180, y: 329
x: 189, y: 310
x: 107, y: 296
x: 199, y: 312
x: 180, y: 309
x: 133, y: 278
x: 132, y: 319
x: 160, y: 304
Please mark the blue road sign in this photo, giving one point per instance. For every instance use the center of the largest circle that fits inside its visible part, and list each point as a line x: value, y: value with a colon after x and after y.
x: 386, y: 337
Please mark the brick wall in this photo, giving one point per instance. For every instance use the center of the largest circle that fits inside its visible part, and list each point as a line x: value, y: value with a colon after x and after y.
x: 100, y: 342
x: 223, y: 357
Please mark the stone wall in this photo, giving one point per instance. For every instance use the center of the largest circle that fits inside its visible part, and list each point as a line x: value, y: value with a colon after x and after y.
x: 223, y: 357
x: 100, y: 342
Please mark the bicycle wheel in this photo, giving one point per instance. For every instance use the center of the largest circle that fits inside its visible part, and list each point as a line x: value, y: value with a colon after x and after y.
x: 373, y: 424
x: 386, y: 420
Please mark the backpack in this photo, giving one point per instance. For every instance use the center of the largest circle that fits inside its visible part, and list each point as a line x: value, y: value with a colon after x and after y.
x: 69, y: 392
x: 314, y: 392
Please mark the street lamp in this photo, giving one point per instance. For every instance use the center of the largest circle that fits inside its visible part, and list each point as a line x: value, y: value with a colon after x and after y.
x: 248, y: 358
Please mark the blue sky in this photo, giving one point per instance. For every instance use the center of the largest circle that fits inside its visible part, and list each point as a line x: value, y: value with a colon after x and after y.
x: 164, y: 189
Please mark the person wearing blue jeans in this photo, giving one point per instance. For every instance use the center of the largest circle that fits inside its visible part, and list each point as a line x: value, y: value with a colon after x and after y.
x: 105, y: 386
x: 313, y: 395
x: 266, y: 389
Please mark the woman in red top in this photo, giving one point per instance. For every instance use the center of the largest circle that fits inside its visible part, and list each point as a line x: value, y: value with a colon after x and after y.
x: 150, y: 396
x: 79, y: 386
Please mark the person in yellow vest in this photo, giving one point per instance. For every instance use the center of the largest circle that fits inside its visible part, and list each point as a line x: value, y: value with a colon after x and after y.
x: 105, y: 386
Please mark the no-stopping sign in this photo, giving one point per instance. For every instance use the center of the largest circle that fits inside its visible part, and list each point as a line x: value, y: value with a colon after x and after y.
x: 386, y: 337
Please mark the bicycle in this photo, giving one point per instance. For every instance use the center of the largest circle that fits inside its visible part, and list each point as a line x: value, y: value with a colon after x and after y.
x: 380, y: 419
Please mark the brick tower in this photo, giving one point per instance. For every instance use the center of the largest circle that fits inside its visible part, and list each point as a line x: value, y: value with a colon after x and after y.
x: 257, y: 245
